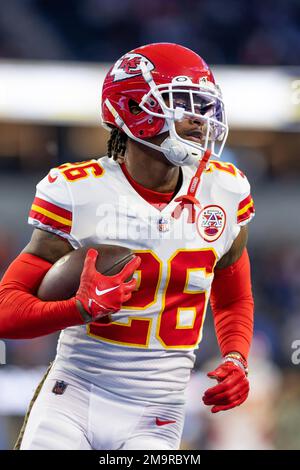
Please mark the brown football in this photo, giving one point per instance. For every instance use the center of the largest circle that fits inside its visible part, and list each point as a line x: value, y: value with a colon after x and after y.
x: 62, y: 280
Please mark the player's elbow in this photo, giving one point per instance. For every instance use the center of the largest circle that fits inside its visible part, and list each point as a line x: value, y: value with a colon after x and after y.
x: 245, y: 301
x: 5, y: 314
x: 10, y: 304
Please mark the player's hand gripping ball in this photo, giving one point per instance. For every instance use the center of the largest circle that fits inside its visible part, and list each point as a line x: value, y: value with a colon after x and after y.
x: 100, y: 295
x: 97, y: 282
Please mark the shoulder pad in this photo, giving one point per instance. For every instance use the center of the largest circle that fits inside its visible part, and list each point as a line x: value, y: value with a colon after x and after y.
x: 229, y: 177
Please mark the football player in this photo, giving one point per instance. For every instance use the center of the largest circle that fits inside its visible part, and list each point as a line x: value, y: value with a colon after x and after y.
x: 118, y: 382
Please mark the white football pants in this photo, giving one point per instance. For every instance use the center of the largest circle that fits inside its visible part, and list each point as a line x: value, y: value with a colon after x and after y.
x: 85, y: 417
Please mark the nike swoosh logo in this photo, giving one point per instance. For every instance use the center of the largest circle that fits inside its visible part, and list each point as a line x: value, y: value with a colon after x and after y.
x: 161, y: 422
x: 102, y: 292
x: 51, y: 179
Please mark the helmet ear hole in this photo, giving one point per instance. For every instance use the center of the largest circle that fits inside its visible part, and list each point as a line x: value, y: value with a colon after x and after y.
x: 134, y: 107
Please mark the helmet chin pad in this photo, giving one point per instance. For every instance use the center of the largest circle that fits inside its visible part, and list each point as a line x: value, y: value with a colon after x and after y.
x: 180, y: 154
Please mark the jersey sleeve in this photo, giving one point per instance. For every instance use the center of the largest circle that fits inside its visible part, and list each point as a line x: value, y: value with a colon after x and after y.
x: 237, y: 189
x: 52, y: 208
x: 246, y: 208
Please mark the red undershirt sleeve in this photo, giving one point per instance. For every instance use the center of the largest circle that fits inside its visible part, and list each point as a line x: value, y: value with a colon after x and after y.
x: 232, y: 306
x: 22, y: 314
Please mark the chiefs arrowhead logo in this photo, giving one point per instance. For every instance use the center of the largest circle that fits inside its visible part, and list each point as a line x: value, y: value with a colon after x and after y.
x: 129, y: 66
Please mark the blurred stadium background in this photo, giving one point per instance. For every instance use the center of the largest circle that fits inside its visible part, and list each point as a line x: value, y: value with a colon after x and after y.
x: 53, y: 56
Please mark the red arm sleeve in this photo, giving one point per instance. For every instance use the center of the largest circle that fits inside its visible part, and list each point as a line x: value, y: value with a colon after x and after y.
x: 232, y: 305
x: 22, y: 315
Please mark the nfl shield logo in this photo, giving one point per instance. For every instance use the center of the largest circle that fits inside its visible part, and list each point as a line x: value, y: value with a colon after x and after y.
x: 59, y: 387
x: 163, y: 225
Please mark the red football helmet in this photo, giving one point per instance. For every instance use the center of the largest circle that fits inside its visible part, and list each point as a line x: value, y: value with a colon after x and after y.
x: 169, y: 83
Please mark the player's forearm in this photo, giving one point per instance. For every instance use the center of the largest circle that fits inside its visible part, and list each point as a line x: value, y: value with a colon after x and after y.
x: 232, y: 305
x: 22, y: 314
x: 234, y: 328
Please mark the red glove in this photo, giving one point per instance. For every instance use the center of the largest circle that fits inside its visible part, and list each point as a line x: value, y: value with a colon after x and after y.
x: 232, y: 389
x: 100, y: 295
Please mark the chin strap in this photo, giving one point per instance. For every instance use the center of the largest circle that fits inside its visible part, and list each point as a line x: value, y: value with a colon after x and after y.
x: 189, y: 200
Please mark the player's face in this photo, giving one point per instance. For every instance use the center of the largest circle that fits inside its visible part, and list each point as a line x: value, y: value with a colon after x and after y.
x: 192, y: 127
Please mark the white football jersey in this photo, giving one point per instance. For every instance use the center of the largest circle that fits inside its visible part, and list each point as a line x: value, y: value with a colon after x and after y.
x: 147, y: 352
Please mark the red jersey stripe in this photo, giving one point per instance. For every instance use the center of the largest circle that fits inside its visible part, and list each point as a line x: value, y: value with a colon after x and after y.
x: 49, y: 221
x: 244, y: 202
x: 53, y: 208
x: 246, y: 215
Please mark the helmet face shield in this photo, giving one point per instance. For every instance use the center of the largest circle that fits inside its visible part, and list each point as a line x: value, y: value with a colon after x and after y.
x: 198, y: 106
x: 197, y: 103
